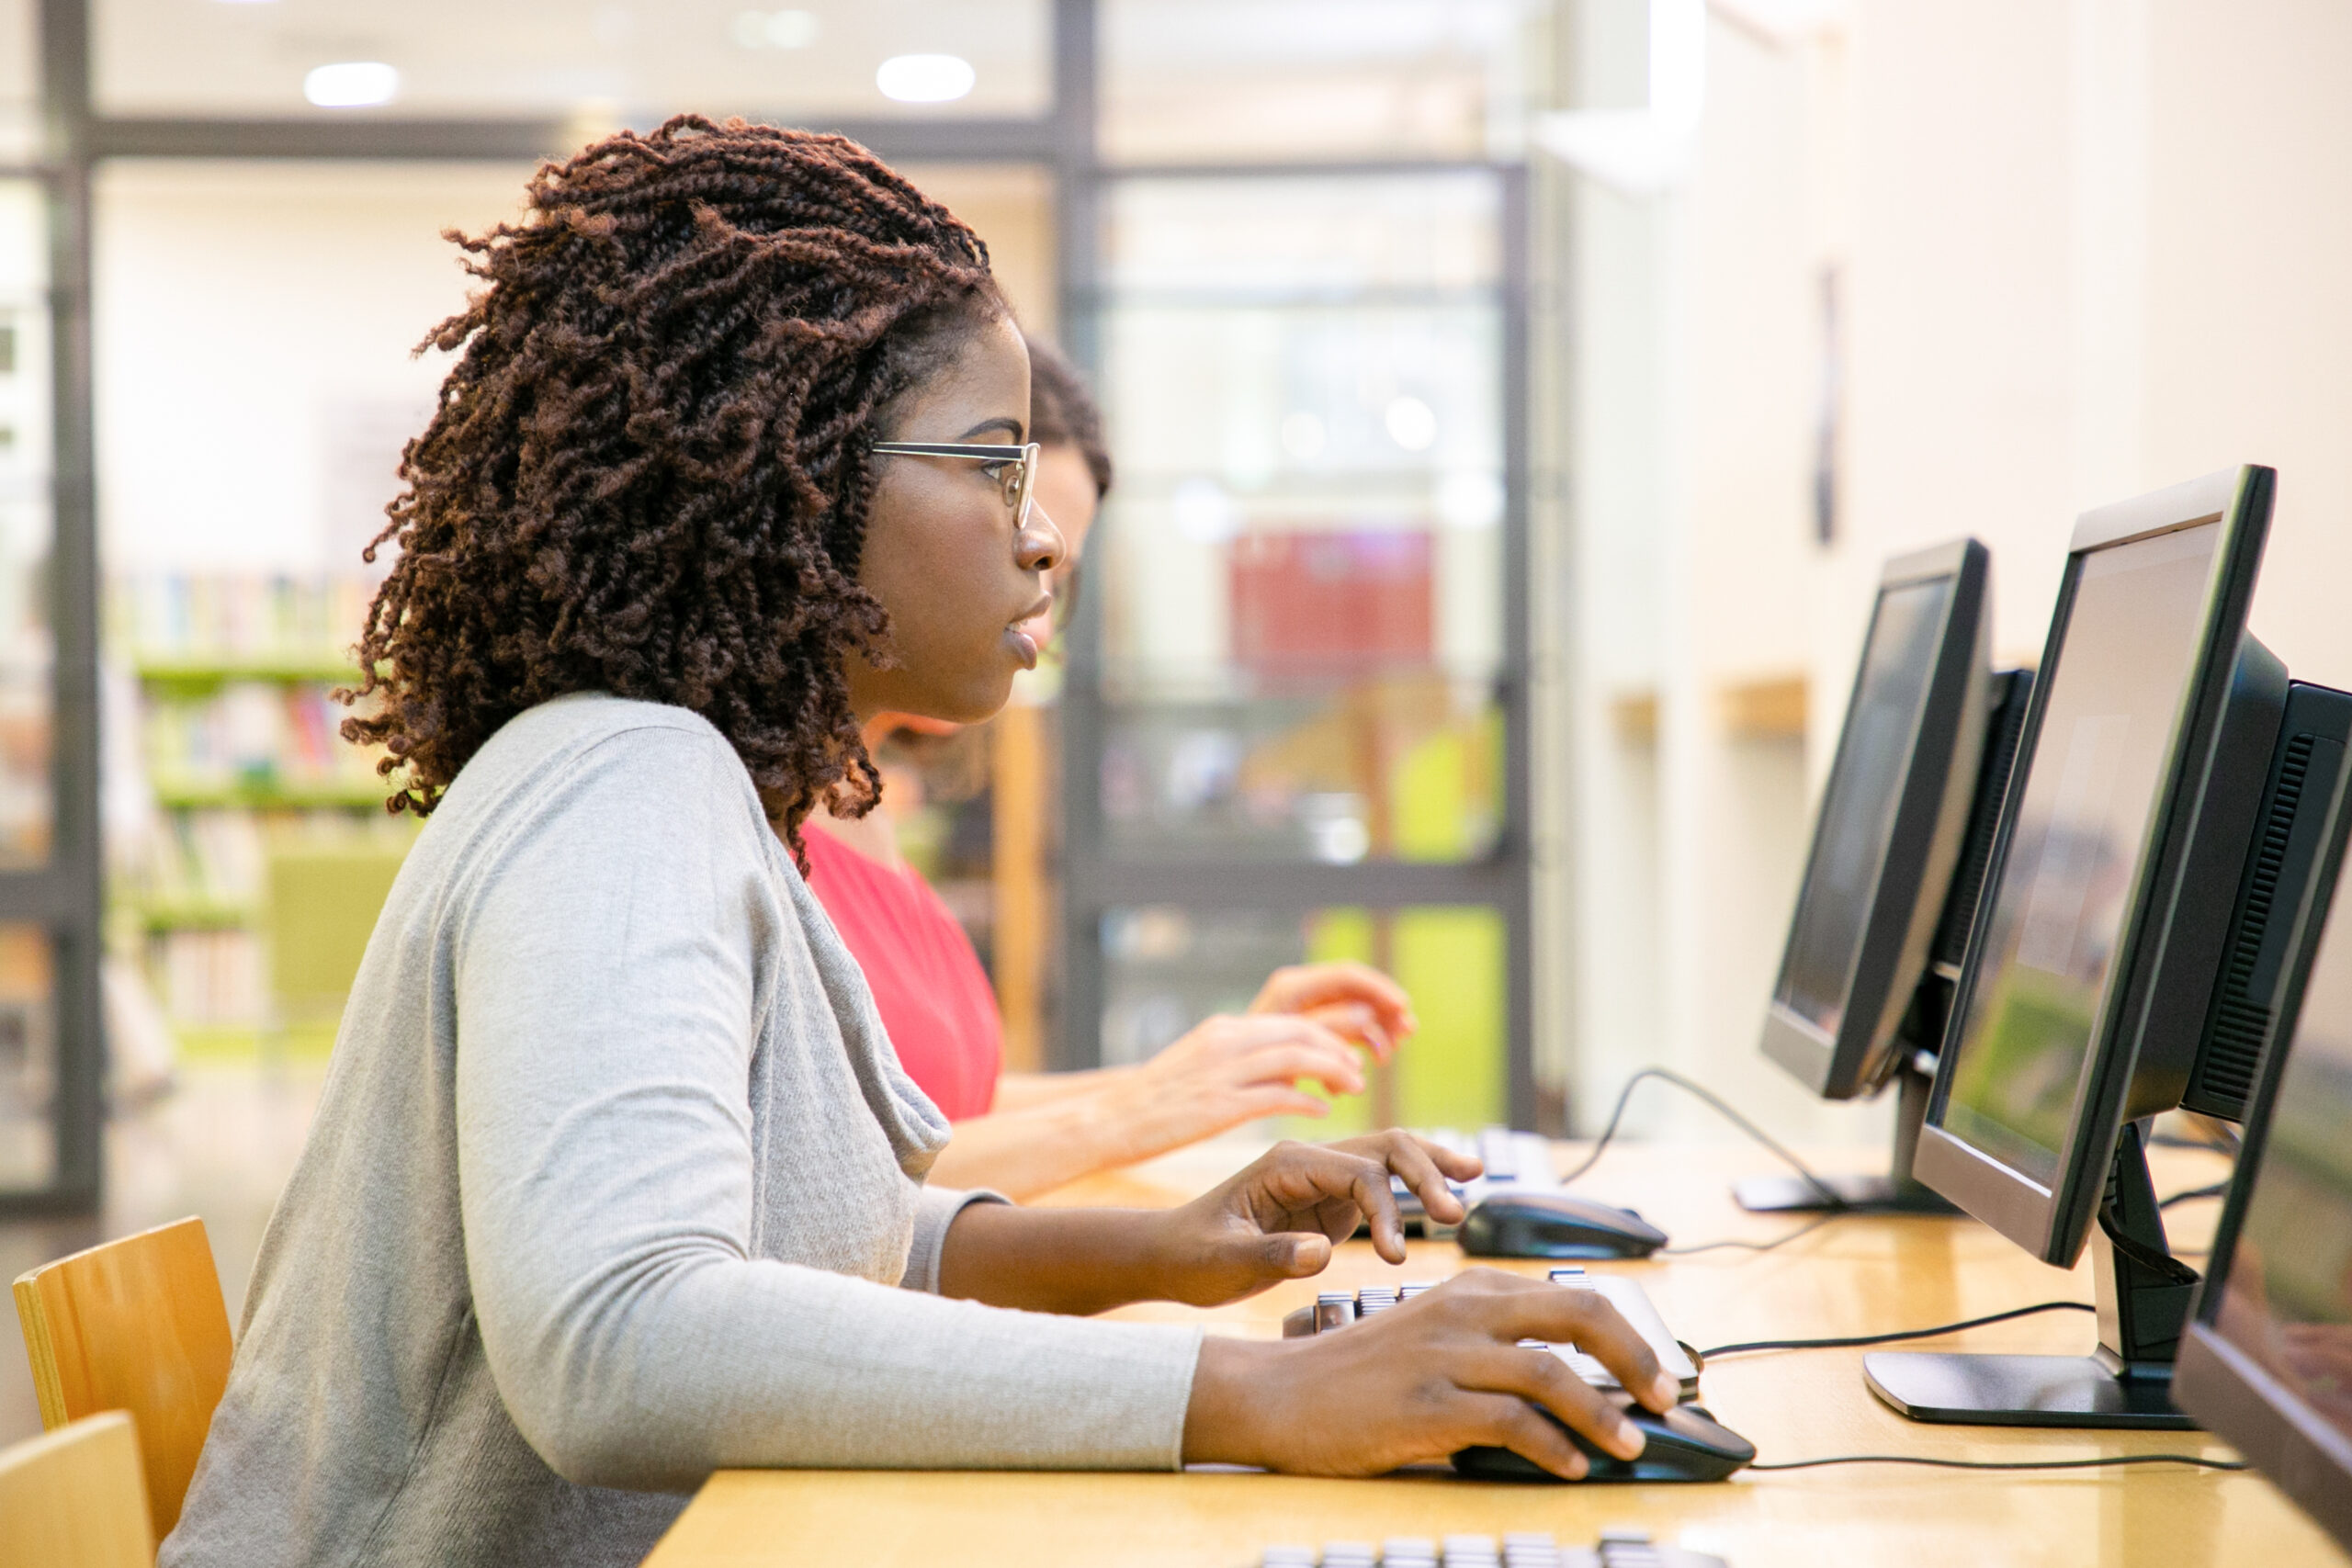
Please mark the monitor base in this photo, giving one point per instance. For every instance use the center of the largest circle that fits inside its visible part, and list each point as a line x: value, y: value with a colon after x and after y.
x: 1949, y: 1389
x: 1893, y: 1193
x: 1876, y: 1194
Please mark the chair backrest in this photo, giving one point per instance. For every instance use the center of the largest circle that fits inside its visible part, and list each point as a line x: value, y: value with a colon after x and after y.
x: 136, y: 1324
x: 74, y: 1498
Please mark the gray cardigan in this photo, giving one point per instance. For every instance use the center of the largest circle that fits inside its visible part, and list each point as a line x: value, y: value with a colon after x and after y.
x: 615, y: 1181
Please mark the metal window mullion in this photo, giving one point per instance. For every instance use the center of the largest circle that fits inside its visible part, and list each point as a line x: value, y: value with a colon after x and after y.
x: 1517, y: 683
x: 64, y: 896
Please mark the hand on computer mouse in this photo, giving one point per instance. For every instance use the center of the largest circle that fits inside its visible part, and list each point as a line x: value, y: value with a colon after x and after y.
x: 1441, y: 1372
x: 1278, y: 1219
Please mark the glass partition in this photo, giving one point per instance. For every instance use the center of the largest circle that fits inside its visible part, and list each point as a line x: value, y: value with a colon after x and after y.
x: 1303, y: 589
x: 29, y: 1065
x: 27, y: 524
x: 1272, y: 80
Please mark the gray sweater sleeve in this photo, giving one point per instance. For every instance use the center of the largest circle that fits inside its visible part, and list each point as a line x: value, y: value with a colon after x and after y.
x: 607, y: 1007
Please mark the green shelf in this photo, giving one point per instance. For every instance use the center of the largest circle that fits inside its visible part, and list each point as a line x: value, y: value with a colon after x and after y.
x: 192, y: 915
x: 203, y: 674
x: 185, y: 796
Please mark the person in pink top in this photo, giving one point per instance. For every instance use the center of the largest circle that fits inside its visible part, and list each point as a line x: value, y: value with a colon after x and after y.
x: 1022, y: 1134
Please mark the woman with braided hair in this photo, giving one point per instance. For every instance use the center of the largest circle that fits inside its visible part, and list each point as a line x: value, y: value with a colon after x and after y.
x: 614, y: 1180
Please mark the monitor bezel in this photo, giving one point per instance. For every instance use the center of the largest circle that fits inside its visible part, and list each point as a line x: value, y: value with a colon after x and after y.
x: 2221, y: 1385
x: 2052, y: 1223
x: 1923, y: 841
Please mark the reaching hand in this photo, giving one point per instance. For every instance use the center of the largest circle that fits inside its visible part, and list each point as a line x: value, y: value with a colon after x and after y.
x: 1225, y: 1072
x: 1353, y: 1000
x: 1278, y: 1219
x: 1443, y: 1372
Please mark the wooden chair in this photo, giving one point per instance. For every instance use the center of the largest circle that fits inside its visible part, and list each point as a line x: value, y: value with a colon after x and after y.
x: 74, y: 1498
x: 136, y: 1324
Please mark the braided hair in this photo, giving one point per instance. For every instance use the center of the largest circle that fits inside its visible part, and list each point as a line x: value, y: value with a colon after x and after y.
x: 650, y: 471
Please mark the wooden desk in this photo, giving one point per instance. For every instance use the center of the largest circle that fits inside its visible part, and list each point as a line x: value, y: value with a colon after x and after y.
x: 1853, y: 1276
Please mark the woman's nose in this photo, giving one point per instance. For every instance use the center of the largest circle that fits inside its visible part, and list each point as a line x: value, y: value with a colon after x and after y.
x: 1038, y: 547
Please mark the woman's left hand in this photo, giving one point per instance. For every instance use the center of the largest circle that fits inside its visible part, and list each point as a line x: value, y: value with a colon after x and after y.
x: 1355, y: 1001
x: 1278, y: 1219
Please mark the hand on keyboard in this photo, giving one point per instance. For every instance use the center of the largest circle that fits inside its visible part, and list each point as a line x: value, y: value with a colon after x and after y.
x: 1439, y: 1373
x: 1277, y: 1219
x: 1352, y: 1001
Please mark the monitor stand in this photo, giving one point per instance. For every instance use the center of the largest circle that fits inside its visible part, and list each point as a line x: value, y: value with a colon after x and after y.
x: 1893, y: 1193
x: 2143, y: 1298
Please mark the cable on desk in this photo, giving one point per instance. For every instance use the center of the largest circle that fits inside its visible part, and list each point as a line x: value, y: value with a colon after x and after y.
x: 2193, y: 1459
x: 1807, y: 1229
x: 1834, y: 1203
x: 1855, y: 1340
x: 2218, y: 1190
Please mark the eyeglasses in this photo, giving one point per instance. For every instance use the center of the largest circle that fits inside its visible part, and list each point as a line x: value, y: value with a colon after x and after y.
x: 1016, y: 466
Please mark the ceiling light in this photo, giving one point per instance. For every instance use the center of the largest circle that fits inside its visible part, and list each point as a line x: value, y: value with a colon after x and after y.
x: 1412, y: 425
x: 351, y: 84
x: 925, y: 78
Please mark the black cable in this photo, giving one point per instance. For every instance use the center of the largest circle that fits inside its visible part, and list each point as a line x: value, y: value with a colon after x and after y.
x: 1601, y: 1144
x: 1853, y: 1341
x: 2218, y: 1190
x: 2008, y: 1464
x: 1807, y: 1229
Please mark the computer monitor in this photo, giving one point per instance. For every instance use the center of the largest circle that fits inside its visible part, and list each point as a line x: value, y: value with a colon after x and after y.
x: 2129, y: 883
x: 2266, y: 1363
x: 1846, y: 1013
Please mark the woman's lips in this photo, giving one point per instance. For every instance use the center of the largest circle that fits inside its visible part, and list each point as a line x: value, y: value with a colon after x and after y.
x: 1032, y: 630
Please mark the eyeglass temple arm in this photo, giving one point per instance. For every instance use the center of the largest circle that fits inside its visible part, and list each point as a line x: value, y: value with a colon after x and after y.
x: 999, y: 453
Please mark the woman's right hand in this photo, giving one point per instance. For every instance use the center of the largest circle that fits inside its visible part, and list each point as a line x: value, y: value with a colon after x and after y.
x: 1224, y: 1071
x: 1427, y: 1377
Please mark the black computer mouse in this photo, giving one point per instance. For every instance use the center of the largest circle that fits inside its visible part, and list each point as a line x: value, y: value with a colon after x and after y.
x: 1555, y: 1224
x: 1684, y: 1444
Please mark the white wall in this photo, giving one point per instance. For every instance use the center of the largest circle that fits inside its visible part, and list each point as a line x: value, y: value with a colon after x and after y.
x: 2088, y: 249
x: 254, y: 324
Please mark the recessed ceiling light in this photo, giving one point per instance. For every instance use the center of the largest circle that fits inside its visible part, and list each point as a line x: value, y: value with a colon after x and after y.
x: 351, y: 84
x: 925, y: 78
x: 1412, y: 423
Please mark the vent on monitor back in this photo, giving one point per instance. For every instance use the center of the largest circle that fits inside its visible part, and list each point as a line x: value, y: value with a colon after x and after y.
x: 2008, y: 695
x: 2239, y: 1025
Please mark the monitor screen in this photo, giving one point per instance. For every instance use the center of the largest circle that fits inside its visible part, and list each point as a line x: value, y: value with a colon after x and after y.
x: 2287, y: 1283
x: 1858, y: 809
x: 2082, y: 818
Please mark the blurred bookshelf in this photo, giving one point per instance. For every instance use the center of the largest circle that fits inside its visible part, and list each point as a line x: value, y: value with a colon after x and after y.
x: 263, y: 848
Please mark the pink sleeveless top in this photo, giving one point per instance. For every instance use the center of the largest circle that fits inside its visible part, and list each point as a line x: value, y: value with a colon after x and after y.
x: 927, y: 985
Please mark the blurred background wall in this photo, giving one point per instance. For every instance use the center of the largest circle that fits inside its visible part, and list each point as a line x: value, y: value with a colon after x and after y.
x: 1513, y: 403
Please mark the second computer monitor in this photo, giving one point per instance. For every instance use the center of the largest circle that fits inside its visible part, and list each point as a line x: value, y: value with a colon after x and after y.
x: 2151, y: 704
x: 1893, y: 815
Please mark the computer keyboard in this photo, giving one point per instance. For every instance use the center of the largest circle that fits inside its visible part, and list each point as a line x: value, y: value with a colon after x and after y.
x: 1522, y: 1548
x: 1520, y: 1161
x: 1337, y: 1309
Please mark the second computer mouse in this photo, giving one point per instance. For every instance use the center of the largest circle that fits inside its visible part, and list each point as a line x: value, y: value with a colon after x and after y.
x: 1684, y: 1444
x: 1555, y: 1224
